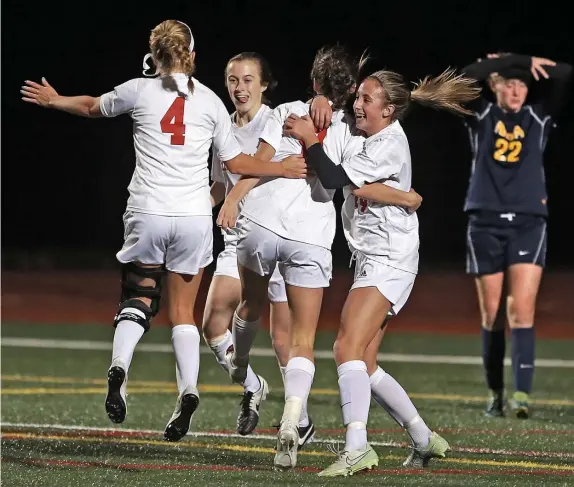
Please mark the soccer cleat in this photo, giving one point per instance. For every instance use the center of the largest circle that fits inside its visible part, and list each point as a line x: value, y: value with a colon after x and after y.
x: 238, y: 373
x: 306, y: 433
x: 495, y: 405
x: 351, y: 462
x: 436, y: 448
x: 250, y: 404
x: 519, y: 405
x: 116, y: 404
x: 287, y: 445
x: 178, y: 425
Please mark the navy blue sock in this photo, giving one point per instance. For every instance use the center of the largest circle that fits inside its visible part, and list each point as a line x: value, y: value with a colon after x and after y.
x: 523, y: 358
x: 493, y: 349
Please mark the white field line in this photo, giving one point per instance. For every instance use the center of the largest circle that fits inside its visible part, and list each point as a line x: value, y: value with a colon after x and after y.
x: 268, y: 352
x: 316, y: 439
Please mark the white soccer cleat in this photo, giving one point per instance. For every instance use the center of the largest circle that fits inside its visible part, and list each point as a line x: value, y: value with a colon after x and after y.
x: 287, y: 445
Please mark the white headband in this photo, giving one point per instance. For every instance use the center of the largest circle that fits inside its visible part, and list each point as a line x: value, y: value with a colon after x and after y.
x: 147, y: 67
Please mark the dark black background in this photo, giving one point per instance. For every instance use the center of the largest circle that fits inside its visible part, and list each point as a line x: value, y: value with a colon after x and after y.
x: 64, y: 178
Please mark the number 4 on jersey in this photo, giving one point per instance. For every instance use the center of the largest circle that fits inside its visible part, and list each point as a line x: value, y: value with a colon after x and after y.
x: 172, y: 121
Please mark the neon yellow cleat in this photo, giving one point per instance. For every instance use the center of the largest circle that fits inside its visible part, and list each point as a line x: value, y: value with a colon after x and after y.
x: 420, y: 457
x: 349, y: 463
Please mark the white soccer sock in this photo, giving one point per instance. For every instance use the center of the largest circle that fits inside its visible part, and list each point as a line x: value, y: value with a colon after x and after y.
x: 299, y: 375
x: 126, y: 336
x: 244, y: 333
x: 185, y: 341
x: 304, y: 421
x: 355, y: 393
x: 219, y: 347
x: 390, y: 395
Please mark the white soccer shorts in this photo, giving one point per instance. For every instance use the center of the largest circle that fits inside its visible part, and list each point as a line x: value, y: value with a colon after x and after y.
x: 394, y: 284
x: 227, y: 266
x: 301, y: 264
x: 183, y: 243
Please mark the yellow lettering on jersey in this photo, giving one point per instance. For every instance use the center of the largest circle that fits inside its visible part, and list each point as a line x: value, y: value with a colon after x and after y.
x: 507, y: 146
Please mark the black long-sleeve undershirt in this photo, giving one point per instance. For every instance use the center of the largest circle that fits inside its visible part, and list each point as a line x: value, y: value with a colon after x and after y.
x: 331, y: 175
x: 552, y: 97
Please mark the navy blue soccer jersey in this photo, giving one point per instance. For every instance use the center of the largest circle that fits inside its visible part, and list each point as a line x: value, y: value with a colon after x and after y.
x: 507, y: 171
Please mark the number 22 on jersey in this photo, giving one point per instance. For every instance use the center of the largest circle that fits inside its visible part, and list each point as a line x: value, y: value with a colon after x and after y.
x: 172, y: 121
x: 507, y: 151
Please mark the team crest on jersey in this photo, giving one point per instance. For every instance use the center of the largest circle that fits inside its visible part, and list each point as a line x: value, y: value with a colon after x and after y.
x: 508, y: 144
x: 516, y: 134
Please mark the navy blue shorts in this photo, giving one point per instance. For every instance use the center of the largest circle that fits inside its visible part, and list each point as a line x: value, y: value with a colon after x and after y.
x: 495, y: 241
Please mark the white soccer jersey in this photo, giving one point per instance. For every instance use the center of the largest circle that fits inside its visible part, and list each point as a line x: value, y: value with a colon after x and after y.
x: 387, y: 234
x: 173, y: 131
x: 248, y: 138
x: 298, y: 209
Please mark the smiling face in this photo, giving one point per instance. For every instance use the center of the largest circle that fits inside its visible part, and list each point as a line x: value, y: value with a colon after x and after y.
x: 372, y: 112
x: 243, y: 80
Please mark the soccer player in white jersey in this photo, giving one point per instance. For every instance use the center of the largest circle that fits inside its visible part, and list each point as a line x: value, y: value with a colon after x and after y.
x: 168, y: 222
x: 249, y: 81
x: 384, y: 242
x: 290, y: 226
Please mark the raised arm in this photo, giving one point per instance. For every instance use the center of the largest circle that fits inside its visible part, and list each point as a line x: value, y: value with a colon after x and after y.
x: 482, y: 69
x: 46, y: 96
x: 554, y: 97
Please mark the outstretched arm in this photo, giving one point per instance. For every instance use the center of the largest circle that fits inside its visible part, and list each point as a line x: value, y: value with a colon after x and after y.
x: 46, y: 96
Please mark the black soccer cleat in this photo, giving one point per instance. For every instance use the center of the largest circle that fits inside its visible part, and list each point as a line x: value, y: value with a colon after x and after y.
x: 116, y: 406
x: 306, y: 433
x: 180, y: 421
x: 250, y: 403
x: 495, y: 405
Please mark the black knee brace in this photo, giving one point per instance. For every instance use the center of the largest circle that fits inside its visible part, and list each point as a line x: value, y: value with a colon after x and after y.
x: 122, y: 315
x: 131, y: 291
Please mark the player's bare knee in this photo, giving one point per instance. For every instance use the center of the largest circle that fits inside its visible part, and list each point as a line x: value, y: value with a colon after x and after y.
x: 217, y: 317
x: 521, y: 318
x: 141, y: 293
x: 489, y: 313
x: 520, y: 312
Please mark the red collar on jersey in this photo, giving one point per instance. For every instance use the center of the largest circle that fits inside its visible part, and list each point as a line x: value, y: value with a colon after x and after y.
x: 321, y: 136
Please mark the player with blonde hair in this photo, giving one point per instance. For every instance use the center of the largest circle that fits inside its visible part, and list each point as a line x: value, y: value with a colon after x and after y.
x: 384, y: 242
x: 291, y: 226
x: 168, y: 221
x: 506, y: 203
